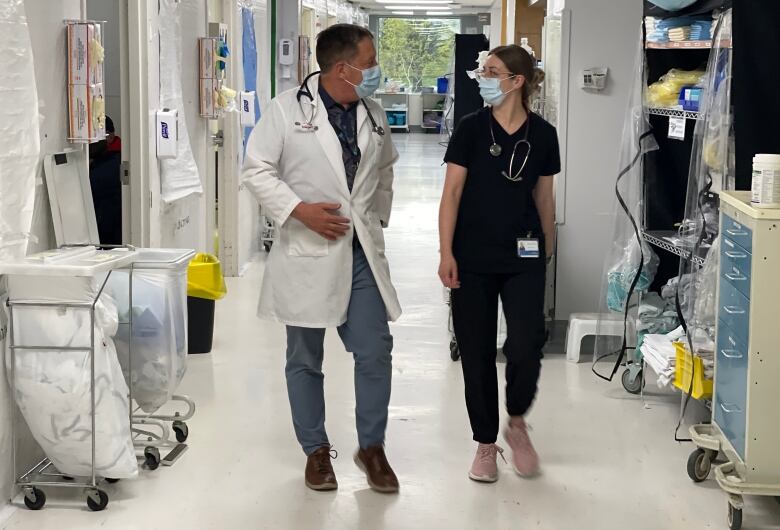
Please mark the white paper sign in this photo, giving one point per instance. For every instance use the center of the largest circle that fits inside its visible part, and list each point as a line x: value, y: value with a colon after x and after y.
x: 677, y: 128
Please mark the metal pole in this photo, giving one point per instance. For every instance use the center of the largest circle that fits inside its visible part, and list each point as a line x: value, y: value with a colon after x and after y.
x: 14, y: 414
x: 92, y: 386
x: 130, y: 350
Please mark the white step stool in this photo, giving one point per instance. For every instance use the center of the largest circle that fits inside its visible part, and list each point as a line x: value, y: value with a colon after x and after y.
x: 582, y: 325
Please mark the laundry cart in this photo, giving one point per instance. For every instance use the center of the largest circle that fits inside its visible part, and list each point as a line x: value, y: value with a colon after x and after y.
x: 64, y: 372
x: 152, y: 348
x: 745, y: 430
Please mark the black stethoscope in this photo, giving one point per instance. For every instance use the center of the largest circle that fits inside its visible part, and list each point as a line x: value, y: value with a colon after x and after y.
x: 496, y: 150
x: 308, y: 125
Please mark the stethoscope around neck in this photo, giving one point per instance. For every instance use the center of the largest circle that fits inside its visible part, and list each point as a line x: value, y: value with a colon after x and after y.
x: 496, y: 150
x: 308, y: 126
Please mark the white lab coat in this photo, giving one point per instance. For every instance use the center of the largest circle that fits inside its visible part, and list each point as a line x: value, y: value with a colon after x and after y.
x: 308, y: 279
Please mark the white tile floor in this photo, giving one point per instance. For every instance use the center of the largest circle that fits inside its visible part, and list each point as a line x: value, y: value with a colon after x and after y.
x: 608, y: 462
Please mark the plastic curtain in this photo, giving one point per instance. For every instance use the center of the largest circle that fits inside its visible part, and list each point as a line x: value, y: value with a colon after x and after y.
x: 19, y: 133
x: 19, y: 159
x: 249, y: 59
x: 179, y: 176
x: 630, y: 263
x: 712, y: 170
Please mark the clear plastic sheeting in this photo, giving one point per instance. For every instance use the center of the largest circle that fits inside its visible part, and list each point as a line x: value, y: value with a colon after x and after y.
x: 712, y: 170
x: 179, y: 177
x: 19, y: 133
x: 157, y: 362
x: 629, y: 263
x: 53, y: 388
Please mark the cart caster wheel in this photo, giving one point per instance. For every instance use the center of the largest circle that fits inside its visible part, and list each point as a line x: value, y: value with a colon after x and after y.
x: 699, y: 465
x: 632, y: 387
x: 34, y: 499
x: 112, y: 480
x: 454, y: 350
x: 97, y: 504
x: 152, y: 455
x: 181, y: 430
x: 735, y: 518
x: 267, y: 246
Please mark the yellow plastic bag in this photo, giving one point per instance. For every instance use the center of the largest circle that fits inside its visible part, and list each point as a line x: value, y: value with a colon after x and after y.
x: 666, y: 92
x: 204, y: 278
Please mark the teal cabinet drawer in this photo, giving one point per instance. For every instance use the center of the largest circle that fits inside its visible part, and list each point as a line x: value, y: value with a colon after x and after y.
x: 732, y: 372
x: 731, y: 419
x: 735, y: 265
x: 738, y: 233
x: 734, y: 310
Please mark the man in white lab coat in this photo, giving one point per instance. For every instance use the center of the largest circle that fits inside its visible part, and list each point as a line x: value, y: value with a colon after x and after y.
x: 320, y: 164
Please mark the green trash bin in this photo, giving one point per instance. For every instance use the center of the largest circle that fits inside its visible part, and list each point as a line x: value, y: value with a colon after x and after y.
x: 205, y: 285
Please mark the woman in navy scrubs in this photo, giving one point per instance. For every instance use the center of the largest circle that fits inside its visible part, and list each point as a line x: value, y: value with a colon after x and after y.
x: 497, y: 229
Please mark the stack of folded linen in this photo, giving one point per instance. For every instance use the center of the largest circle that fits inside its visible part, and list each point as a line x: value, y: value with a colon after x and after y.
x: 702, y: 30
x: 659, y: 354
x: 654, y: 33
x: 680, y: 34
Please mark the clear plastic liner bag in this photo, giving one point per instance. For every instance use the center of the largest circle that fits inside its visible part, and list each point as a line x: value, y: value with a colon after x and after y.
x: 712, y: 170
x: 630, y: 265
x: 157, y: 362
x: 623, y: 274
x: 53, y: 389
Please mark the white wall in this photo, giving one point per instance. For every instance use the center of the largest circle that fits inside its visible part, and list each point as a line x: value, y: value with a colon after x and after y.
x: 287, y: 12
x: 183, y: 223
x: 595, y: 123
x: 495, y: 24
x: 47, y: 34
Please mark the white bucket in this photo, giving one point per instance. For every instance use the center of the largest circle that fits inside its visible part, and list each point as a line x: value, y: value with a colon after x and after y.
x: 766, y: 181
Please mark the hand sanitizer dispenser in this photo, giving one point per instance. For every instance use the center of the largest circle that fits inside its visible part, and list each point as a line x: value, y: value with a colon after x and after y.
x: 167, y: 133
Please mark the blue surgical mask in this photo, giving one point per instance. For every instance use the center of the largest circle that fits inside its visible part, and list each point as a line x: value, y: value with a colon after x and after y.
x: 490, y: 90
x: 371, y: 79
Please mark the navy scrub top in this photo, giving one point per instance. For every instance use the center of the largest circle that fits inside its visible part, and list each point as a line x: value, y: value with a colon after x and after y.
x: 494, y: 211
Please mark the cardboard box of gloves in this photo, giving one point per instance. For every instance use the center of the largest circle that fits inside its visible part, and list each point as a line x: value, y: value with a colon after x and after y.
x: 86, y: 97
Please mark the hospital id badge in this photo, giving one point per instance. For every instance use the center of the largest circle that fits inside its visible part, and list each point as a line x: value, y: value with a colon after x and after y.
x: 528, y: 248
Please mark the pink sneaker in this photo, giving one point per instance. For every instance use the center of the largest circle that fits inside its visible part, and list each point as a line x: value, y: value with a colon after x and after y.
x: 524, y: 457
x: 484, y: 468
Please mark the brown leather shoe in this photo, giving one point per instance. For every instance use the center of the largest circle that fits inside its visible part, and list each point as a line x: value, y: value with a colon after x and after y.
x: 319, y: 471
x: 374, y: 464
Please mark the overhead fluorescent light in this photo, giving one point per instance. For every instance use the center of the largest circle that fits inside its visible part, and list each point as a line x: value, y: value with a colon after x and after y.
x: 416, y: 7
x: 414, y: 1
x: 402, y: 12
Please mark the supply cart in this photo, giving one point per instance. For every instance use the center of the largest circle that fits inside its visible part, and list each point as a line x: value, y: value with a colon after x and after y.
x: 744, y: 427
x: 153, y: 354
x: 64, y: 374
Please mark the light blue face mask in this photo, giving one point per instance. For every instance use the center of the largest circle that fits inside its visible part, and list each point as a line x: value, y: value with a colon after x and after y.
x: 673, y: 5
x: 490, y: 90
x: 371, y: 79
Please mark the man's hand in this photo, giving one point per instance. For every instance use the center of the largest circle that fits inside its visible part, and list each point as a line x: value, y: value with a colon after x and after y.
x: 320, y: 217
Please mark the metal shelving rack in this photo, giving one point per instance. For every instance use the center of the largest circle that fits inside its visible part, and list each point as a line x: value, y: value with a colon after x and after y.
x: 657, y: 238
x: 401, y: 99
x: 674, y: 113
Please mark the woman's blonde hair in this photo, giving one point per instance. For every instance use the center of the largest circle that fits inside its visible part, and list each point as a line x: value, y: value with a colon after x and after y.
x: 519, y: 62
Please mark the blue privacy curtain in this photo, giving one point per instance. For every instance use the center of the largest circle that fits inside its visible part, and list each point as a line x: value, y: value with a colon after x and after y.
x: 250, y: 61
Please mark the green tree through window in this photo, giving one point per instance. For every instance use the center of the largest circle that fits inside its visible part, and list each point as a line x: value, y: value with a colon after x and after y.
x: 416, y: 51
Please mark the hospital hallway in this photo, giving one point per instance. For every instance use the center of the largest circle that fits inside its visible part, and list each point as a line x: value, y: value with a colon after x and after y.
x: 609, y: 461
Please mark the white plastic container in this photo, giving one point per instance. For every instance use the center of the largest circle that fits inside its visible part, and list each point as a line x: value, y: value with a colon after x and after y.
x: 766, y: 181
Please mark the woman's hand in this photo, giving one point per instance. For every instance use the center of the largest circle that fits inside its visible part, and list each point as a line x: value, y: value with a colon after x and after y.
x: 448, y: 272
